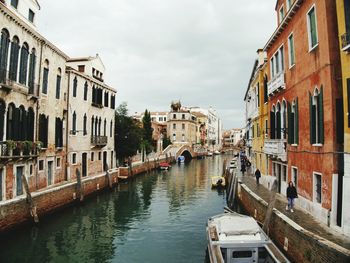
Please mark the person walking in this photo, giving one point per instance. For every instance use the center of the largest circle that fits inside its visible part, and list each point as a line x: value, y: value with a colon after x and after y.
x: 243, y: 168
x: 257, y: 175
x: 291, y: 195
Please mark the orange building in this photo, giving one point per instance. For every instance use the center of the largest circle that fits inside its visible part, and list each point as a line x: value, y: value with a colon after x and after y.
x: 305, y: 105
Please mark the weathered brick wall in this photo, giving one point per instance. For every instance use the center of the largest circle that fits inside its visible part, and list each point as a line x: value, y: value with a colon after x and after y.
x: 303, y: 246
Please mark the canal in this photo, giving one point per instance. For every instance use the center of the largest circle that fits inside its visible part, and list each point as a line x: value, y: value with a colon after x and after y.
x: 156, y: 217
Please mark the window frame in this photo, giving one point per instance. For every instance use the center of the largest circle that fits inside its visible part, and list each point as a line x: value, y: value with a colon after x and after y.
x: 74, y: 158
x: 281, y: 15
x: 43, y: 166
x: 291, y: 40
x: 309, y: 33
x: 314, y: 188
x: 58, y: 163
x: 31, y: 15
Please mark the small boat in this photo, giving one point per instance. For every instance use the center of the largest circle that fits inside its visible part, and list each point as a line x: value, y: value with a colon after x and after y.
x: 217, y: 182
x: 164, y: 166
x: 217, y: 153
x: 181, y: 159
x: 210, y: 154
x: 233, y: 237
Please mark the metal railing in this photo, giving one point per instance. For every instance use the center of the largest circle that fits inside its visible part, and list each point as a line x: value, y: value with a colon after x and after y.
x: 8, y: 80
x: 99, y: 140
x: 276, y: 83
x: 345, y: 41
x: 18, y: 149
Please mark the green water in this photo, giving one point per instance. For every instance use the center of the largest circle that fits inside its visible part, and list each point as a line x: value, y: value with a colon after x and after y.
x: 159, y: 217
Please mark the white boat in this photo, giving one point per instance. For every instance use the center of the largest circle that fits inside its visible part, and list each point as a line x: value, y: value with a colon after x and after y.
x: 233, y: 237
x: 210, y: 154
x: 181, y: 159
x: 217, y: 153
x: 218, y: 182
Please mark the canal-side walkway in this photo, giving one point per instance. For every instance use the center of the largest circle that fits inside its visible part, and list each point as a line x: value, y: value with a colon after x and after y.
x: 300, y: 216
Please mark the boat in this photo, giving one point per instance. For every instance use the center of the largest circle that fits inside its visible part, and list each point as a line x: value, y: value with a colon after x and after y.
x: 164, y: 166
x: 210, y: 154
x: 181, y: 159
x: 217, y: 153
x: 218, y: 182
x: 233, y: 237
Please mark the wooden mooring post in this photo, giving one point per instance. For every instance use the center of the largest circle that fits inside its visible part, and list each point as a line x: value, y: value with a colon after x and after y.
x: 79, y: 186
x: 109, y: 177
x: 32, y: 206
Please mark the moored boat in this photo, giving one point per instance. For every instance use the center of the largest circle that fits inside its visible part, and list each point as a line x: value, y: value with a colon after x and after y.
x: 181, y: 159
x: 217, y: 153
x: 233, y: 237
x: 164, y: 166
x: 210, y: 154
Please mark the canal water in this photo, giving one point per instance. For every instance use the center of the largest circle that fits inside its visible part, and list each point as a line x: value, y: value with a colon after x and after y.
x: 157, y: 217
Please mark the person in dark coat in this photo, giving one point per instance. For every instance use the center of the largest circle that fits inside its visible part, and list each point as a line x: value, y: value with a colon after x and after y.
x: 243, y: 168
x: 291, y: 195
x: 257, y: 176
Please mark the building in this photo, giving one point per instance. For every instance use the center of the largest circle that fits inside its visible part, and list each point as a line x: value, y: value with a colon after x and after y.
x: 201, y: 128
x: 343, y: 14
x: 231, y: 138
x: 38, y: 127
x: 304, y: 105
x: 90, y: 119
x: 181, y: 125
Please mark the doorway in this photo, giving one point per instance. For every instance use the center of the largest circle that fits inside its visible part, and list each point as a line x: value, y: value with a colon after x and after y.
x: 104, y: 164
x: 49, y: 172
x: 19, y: 183
x: 84, y: 164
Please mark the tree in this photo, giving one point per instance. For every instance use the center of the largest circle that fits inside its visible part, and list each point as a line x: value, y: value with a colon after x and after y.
x: 128, y: 134
x: 166, y: 142
x: 147, y: 139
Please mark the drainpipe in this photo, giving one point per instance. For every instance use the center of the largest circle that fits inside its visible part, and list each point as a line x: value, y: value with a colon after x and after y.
x: 67, y: 126
x: 36, y: 134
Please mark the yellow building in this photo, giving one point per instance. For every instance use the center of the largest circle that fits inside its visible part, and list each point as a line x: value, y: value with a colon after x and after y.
x: 343, y: 15
x: 257, y: 115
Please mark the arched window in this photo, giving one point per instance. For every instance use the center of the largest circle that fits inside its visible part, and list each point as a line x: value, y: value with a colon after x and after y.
x: 4, y: 47
x: 10, y: 122
x: 2, y: 118
x: 99, y: 126
x: 293, y: 123
x: 31, y: 79
x: 43, y: 129
x: 75, y: 86
x: 105, y: 128
x: 85, y: 125
x: 111, y: 129
x: 30, y: 124
x: 273, y: 123
x: 21, y: 132
x: 92, y: 125
x: 284, y: 119
x: 278, y: 121
x: 74, y: 123
x: 59, y: 133
x: 96, y: 126
x: 106, y: 99
x: 316, y: 117
x: 93, y: 94
x: 85, y: 91
x: 23, y: 67
x: 14, y: 59
x: 266, y: 96
x: 45, y: 76
x: 58, y: 83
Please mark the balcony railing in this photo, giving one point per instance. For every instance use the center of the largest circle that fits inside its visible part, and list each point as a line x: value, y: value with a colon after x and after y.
x: 276, y: 84
x: 345, y: 41
x: 277, y: 148
x: 18, y: 149
x: 99, y: 140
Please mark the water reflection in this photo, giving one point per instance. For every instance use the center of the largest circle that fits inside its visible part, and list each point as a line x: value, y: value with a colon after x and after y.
x: 154, y: 218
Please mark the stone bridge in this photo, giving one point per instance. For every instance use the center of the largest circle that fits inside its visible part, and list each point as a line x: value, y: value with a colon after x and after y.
x: 185, y: 149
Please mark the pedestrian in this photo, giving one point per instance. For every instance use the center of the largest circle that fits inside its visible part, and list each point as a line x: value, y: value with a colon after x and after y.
x: 242, y: 168
x: 291, y: 195
x: 257, y: 175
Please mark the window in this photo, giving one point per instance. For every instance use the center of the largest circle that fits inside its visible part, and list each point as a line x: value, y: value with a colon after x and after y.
x: 164, y: 118
x: 14, y: 3
x: 85, y: 91
x: 291, y: 50
x: 106, y: 99
x: 23, y: 64
x: 281, y: 13
x: 45, y: 77
x: 85, y: 125
x: 81, y: 68
x: 174, y: 137
x: 284, y: 173
x: 58, y: 162
x: 242, y: 254
x: 289, y: 4
x: 277, y: 62
x: 183, y: 116
x: 316, y: 117
x: 99, y: 156
x: 31, y: 15
x: 257, y: 95
x: 293, y: 122
x: 58, y: 86
x: 312, y: 28
x: 74, y: 123
x: 14, y: 59
x: 92, y: 156
x: 111, y: 129
x: 174, y: 116
x: 105, y: 127
x: 75, y: 86
x: 174, y: 126
x: 295, y: 177
x: 318, y: 188
x: 112, y: 101
x: 92, y: 125
x: 74, y: 158
x: 59, y: 133
x: 183, y: 126
x: 4, y: 46
x: 266, y: 96
x: 41, y: 165
x: 183, y: 137
x: 32, y: 62
x: 43, y: 129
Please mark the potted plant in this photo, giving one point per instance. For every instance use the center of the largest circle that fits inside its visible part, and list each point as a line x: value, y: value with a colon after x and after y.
x: 39, y: 145
x: 10, y: 145
x: 28, y: 147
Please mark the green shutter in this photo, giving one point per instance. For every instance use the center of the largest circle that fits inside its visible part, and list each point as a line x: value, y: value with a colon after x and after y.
x: 312, y: 120
x: 320, y: 117
x: 272, y: 125
x: 278, y: 128
x: 290, y: 120
x: 296, y: 122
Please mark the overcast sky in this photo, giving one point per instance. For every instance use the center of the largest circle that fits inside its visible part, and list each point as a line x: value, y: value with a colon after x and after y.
x: 198, y: 51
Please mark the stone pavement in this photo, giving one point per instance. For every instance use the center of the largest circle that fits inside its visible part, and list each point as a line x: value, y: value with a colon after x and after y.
x: 300, y: 216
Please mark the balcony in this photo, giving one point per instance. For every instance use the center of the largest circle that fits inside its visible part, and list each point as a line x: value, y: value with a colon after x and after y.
x: 97, y: 105
x: 99, y: 140
x: 18, y: 150
x: 277, y: 148
x: 276, y: 84
x: 345, y: 42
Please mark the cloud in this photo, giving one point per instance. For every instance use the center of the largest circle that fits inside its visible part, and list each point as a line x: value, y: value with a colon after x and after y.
x: 156, y: 51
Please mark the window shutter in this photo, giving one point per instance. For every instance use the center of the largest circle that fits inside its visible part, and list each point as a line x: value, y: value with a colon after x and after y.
x: 296, y: 122
x: 272, y: 125
x: 278, y: 128
x: 312, y: 121
x: 290, y: 120
x: 320, y: 117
